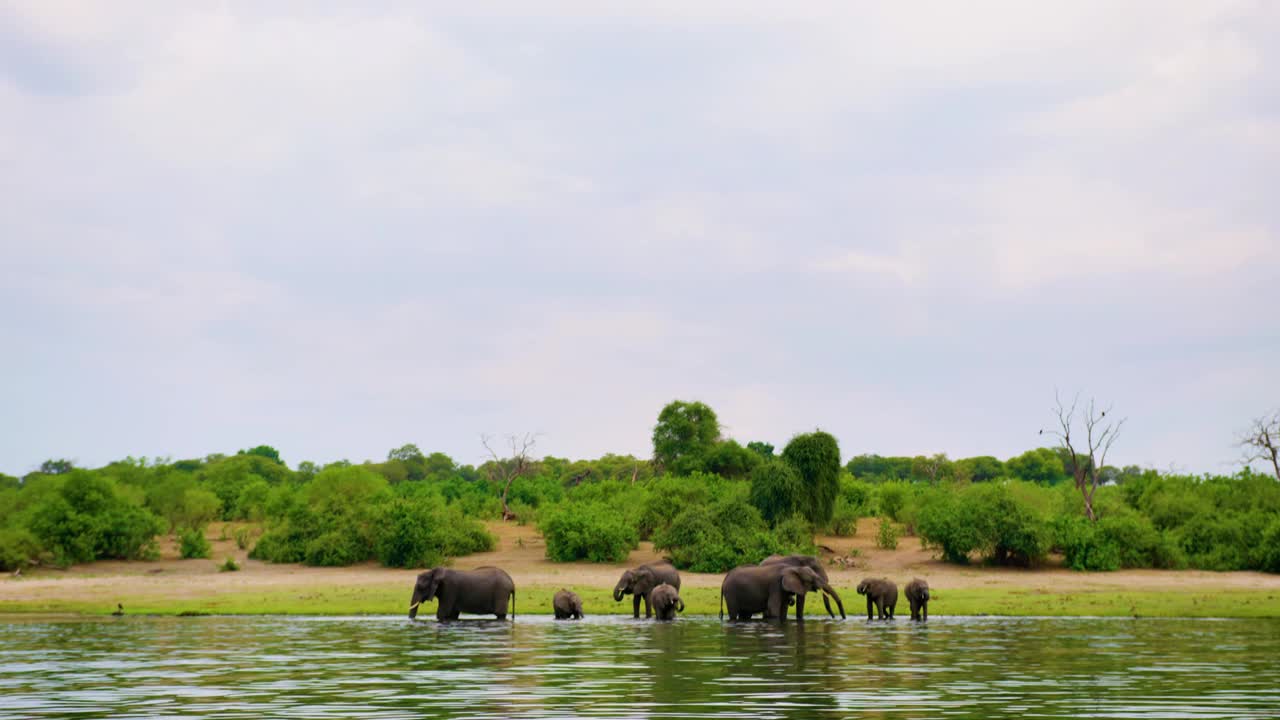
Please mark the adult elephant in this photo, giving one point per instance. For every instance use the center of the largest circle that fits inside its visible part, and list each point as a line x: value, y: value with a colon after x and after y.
x: 640, y: 581
x: 882, y: 593
x: 482, y: 591
x: 769, y: 589
x: 807, y: 561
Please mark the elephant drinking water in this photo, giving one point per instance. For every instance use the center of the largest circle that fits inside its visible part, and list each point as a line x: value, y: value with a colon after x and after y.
x: 639, y: 581
x: 769, y: 589
x: 482, y: 591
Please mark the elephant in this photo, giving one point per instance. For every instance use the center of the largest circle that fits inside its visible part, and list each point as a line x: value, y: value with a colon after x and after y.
x: 567, y: 605
x: 882, y: 593
x: 769, y: 589
x: 666, y: 602
x: 640, y: 580
x: 917, y: 592
x: 812, y: 563
x: 481, y: 591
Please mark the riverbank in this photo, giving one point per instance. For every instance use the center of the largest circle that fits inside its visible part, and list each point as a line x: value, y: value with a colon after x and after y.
x: 172, y: 586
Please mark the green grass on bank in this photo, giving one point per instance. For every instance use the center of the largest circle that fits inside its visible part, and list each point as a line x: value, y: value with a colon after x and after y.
x: 394, y: 600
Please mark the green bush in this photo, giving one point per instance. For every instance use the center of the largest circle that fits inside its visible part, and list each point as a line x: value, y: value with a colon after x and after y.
x: 844, y: 522
x: 891, y: 498
x: 729, y: 532
x: 1000, y: 521
x: 668, y: 495
x: 590, y: 531
x: 18, y: 549
x: 229, y: 565
x: 242, y: 538
x: 815, y: 457
x: 336, y: 548
x: 1083, y: 547
x: 193, y: 544
x: 887, y: 535
x: 777, y: 490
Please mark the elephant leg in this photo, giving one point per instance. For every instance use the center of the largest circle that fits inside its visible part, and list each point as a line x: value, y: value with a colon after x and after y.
x: 635, y: 605
x: 647, y: 614
x: 924, y: 611
x: 800, y: 607
x: 870, y: 603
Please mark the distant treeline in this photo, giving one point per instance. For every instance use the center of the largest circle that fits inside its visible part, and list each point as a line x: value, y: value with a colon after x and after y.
x: 709, y: 502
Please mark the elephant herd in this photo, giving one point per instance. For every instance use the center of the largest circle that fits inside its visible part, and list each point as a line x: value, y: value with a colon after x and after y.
x: 767, y: 589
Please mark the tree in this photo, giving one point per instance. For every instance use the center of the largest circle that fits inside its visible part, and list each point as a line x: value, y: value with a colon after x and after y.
x: 777, y: 490
x: 504, y: 471
x: 406, y: 453
x: 685, y: 434
x: 1042, y: 466
x: 1099, y: 435
x: 56, y: 467
x: 1261, y: 442
x: 763, y: 448
x: 265, y: 451
x: 982, y: 468
x: 815, y: 457
x: 932, y: 467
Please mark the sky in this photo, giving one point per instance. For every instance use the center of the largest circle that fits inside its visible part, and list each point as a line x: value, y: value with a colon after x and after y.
x: 336, y: 230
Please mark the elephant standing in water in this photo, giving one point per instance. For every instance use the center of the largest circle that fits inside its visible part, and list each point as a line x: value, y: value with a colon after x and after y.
x: 482, y: 591
x: 882, y: 593
x: 641, y: 580
x: 804, y: 561
x: 917, y: 592
x: 769, y: 589
x: 567, y: 605
x: 666, y: 602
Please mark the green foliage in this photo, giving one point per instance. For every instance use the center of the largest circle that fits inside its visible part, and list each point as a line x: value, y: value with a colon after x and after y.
x: 998, y: 521
x: 763, y: 449
x: 983, y: 468
x: 1042, y: 465
x: 728, y: 532
x: 684, y: 437
x: 815, y: 457
x: 264, y: 451
x: 670, y: 494
x: 242, y: 538
x: 423, y: 532
x: 891, y: 498
x: 82, y: 517
x: 229, y: 565
x: 193, y: 544
x: 729, y: 459
x: 777, y: 490
x: 592, y: 531
x: 18, y: 549
x: 887, y: 535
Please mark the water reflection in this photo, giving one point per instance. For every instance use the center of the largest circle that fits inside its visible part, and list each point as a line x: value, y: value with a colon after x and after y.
x: 620, y: 667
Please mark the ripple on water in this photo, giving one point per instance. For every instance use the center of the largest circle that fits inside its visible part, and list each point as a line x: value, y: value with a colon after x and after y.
x: 697, y: 667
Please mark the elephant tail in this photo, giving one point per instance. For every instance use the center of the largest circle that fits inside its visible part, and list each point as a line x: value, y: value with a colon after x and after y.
x: 680, y: 604
x: 721, y: 603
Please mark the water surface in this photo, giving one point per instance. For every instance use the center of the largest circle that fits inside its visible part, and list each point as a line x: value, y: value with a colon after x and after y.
x: 385, y: 667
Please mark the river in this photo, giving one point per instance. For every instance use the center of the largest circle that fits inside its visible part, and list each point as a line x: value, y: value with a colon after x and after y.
x: 696, y: 667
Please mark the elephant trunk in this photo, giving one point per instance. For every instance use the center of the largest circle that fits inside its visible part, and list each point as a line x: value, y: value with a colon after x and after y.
x: 413, y: 608
x: 679, y: 605
x: 617, y: 592
x: 828, y: 590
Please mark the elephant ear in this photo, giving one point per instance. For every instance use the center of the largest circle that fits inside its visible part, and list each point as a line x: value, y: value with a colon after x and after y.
x: 792, y: 582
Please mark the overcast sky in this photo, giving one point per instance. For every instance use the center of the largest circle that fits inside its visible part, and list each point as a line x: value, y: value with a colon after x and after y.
x: 339, y: 230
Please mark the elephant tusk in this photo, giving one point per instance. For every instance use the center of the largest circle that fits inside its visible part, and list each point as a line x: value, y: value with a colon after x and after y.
x: 411, y: 607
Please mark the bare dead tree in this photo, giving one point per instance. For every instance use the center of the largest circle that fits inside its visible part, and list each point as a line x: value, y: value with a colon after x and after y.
x: 1099, y: 435
x: 505, y: 470
x: 1261, y: 442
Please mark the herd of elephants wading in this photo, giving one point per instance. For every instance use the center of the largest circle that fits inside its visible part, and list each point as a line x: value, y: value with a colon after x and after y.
x: 767, y: 589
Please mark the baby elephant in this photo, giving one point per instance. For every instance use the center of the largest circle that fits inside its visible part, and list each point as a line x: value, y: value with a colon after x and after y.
x: 567, y: 605
x: 666, y: 601
x: 917, y: 593
x: 882, y: 593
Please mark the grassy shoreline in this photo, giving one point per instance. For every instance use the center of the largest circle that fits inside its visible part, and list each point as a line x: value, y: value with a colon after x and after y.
x: 536, y: 600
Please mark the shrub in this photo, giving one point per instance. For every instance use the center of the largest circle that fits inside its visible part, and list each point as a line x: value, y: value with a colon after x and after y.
x: 727, y: 533
x: 336, y: 548
x: 1269, y: 559
x: 816, y: 459
x: 845, y: 520
x: 18, y: 549
x: 776, y: 490
x: 891, y: 497
x: 887, y: 535
x: 1083, y: 547
x: 242, y: 538
x: 193, y: 543
x: 670, y: 494
x: 229, y: 565
x: 590, y: 531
